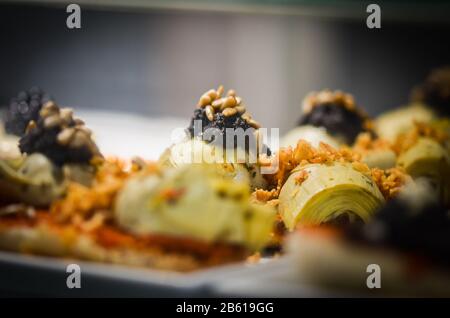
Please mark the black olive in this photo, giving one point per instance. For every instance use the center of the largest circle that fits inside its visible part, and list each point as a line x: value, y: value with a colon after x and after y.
x: 337, y: 120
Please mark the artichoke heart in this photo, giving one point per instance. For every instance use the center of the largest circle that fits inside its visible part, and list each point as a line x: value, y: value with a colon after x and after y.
x: 382, y: 158
x: 313, y: 135
x: 329, y: 193
x: 193, y: 151
x: 194, y: 201
x: 9, y: 147
x: 33, y: 180
x: 391, y: 124
x: 428, y: 159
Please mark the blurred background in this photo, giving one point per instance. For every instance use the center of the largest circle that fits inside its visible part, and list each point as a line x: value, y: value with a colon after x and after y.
x: 155, y: 58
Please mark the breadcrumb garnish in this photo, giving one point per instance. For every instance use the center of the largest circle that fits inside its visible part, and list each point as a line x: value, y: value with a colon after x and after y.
x: 407, y: 140
x: 89, y: 207
x: 389, y: 181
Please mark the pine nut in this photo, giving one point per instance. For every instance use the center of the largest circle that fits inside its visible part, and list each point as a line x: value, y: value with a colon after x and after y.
x: 52, y: 121
x: 78, y: 140
x: 86, y: 130
x: 65, y: 136
x: 246, y: 116
x: 78, y: 121
x: 212, y: 94
x: 217, y: 104
x: 228, y: 112
x: 229, y: 102
x: 231, y: 92
x: 209, y: 112
x: 66, y: 114
x: 240, y: 109
x: 204, y: 100
x: 48, y: 109
x: 220, y: 91
x: 253, y: 123
x: 31, y: 125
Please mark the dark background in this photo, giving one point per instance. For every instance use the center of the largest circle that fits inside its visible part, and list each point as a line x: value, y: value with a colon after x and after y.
x: 158, y: 62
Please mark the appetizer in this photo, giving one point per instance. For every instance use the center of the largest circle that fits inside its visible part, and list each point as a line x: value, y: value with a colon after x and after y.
x: 221, y: 131
x: 324, y: 185
x: 392, y: 123
x: 56, y: 148
x: 375, y: 152
x: 424, y: 153
x: 329, y: 116
x: 429, y: 101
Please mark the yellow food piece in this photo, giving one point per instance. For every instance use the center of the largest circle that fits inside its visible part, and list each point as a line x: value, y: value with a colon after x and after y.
x: 314, y: 135
x: 383, y: 159
x: 194, y: 201
x: 391, y: 124
x: 428, y: 159
x: 328, y: 192
x: 33, y: 180
x: 234, y: 163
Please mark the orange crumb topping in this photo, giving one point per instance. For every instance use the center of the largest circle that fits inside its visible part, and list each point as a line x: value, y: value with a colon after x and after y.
x: 389, y: 181
x: 90, y: 207
x: 407, y: 140
x: 304, y: 153
x: 365, y: 143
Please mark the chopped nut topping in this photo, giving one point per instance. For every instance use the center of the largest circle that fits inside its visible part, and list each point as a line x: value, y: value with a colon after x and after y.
x: 59, y: 136
x: 328, y: 97
x: 230, y: 101
x: 264, y: 195
x: 220, y: 91
x: 231, y: 92
x: 407, y: 140
x: 230, y: 105
x: 389, y: 181
x: 65, y: 136
x: 365, y: 143
x: 228, y: 112
x: 240, y: 109
x: 210, y: 112
x: 82, y: 203
x: 204, y: 100
x: 361, y: 167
